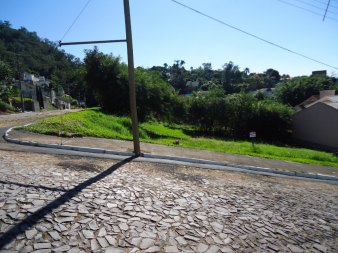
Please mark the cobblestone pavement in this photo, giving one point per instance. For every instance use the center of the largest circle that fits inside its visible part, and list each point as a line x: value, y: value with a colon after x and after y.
x: 71, y: 204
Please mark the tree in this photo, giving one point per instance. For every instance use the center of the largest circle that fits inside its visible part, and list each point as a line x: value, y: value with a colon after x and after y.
x: 231, y: 75
x: 6, y: 72
x: 298, y: 89
x: 177, y: 74
x: 155, y: 97
x: 106, y: 78
x: 241, y: 113
x: 208, y: 110
x: 271, y: 78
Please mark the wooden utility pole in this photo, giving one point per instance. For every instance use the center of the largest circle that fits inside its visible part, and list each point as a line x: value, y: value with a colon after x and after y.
x: 131, y: 78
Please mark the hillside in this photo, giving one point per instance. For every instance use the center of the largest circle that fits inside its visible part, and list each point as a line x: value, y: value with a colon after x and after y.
x: 26, y: 50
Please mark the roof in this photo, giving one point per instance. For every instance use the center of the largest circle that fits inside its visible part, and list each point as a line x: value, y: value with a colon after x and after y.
x: 308, y: 101
x: 334, y: 105
x: 331, y: 101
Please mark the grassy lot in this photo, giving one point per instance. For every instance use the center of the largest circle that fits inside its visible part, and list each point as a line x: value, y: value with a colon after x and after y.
x: 92, y: 122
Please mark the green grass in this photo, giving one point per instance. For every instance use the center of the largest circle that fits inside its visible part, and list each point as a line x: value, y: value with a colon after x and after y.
x: 92, y: 122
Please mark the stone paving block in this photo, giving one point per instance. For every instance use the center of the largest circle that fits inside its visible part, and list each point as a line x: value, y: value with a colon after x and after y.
x: 45, y: 245
x: 181, y: 209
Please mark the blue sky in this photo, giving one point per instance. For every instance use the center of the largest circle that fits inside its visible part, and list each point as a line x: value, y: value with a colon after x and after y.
x: 164, y: 31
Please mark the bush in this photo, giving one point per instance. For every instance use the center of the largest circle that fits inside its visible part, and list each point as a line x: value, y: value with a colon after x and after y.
x: 208, y: 110
x: 237, y: 114
x: 74, y: 103
x: 28, y: 103
x: 4, y: 107
x: 272, y: 120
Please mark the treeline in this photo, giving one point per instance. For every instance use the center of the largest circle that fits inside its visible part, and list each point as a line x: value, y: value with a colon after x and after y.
x: 230, y: 78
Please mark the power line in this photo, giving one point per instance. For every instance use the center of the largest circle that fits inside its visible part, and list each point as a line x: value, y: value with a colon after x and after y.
x: 305, y: 9
x: 77, y: 17
x: 251, y: 34
x: 328, y: 4
x: 315, y: 6
x: 324, y: 3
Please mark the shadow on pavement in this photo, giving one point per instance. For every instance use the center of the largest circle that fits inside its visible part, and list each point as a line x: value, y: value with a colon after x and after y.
x: 34, y: 186
x: 34, y: 218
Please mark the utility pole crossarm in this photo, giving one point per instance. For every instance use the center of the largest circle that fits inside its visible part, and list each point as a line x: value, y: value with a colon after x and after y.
x: 90, y: 42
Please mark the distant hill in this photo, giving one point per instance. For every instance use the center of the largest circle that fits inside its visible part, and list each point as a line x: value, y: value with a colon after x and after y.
x: 40, y: 57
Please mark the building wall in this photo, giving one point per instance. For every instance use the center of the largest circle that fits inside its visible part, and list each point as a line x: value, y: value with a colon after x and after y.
x: 317, y: 124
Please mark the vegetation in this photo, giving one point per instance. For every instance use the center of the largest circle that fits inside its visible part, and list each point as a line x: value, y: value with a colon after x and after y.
x: 4, y: 107
x: 93, y: 122
x: 25, y: 50
x: 298, y: 89
x: 214, y: 112
x: 155, y: 99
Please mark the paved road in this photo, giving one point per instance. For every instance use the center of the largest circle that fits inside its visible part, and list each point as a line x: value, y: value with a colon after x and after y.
x: 53, y: 203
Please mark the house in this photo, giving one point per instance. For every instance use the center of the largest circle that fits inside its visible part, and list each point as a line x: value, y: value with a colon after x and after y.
x: 307, y: 102
x: 319, y: 73
x: 36, y: 88
x: 316, y: 121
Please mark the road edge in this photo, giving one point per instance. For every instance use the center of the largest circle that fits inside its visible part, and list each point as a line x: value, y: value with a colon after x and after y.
x: 192, y: 161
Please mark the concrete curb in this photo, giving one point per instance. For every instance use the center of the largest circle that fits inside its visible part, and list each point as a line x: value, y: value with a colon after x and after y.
x: 192, y: 161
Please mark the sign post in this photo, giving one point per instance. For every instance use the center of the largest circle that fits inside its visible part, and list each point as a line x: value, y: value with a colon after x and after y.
x: 252, y: 136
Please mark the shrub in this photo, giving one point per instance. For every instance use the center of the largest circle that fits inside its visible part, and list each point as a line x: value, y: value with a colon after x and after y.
x: 272, y: 120
x: 237, y: 114
x: 4, y: 107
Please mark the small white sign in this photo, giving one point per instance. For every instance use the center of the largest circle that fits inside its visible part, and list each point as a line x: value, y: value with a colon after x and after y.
x: 252, y: 134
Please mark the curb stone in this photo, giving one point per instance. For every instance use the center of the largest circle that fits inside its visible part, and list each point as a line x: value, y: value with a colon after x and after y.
x: 195, y: 161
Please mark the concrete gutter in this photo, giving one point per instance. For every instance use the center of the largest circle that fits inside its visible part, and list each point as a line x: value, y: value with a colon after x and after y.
x: 174, y: 159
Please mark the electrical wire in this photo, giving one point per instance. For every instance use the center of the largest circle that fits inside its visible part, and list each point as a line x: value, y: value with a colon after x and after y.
x: 331, y: 5
x: 251, y: 34
x: 77, y: 17
x: 317, y: 7
x: 299, y: 7
x: 328, y: 4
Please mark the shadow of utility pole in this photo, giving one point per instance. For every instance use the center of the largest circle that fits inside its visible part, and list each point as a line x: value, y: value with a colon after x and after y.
x: 34, y: 218
x: 34, y: 186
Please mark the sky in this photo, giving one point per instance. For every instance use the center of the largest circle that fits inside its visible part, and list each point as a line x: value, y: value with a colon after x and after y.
x: 164, y: 31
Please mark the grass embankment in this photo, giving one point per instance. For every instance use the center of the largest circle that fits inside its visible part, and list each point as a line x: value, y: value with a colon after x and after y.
x: 92, y: 122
